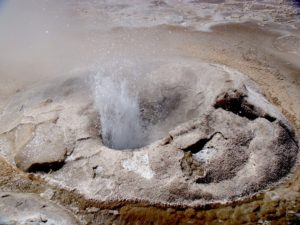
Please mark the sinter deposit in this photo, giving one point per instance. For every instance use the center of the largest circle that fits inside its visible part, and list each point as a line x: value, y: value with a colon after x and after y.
x: 171, y: 133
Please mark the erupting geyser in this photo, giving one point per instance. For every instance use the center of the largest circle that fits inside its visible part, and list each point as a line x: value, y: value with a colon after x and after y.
x: 119, y: 114
x: 136, y: 109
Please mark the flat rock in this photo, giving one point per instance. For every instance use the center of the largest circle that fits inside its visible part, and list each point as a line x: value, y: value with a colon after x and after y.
x: 30, y: 209
x: 47, y: 149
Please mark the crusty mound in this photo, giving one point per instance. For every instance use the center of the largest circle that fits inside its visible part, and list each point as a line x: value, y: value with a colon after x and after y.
x: 208, y: 135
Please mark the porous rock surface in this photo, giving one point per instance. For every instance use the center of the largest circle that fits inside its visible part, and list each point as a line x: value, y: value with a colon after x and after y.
x: 212, y: 137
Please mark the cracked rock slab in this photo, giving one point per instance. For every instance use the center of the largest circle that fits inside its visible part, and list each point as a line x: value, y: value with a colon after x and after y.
x: 47, y: 150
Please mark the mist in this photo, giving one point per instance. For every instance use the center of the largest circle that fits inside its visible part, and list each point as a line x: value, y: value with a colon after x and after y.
x: 119, y: 112
x: 38, y: 42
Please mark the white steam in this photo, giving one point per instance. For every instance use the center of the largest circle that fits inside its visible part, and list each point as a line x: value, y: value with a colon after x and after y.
x: 119, y: 113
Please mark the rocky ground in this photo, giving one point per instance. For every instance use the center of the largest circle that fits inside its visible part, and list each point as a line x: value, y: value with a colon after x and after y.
x: 220, y: 111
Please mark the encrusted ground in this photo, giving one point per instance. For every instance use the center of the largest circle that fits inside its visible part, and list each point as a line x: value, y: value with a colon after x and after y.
x: 232, y: 145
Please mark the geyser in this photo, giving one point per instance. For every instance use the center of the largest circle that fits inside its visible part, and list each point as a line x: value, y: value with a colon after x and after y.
x: 119, y: 114
x: 136, y: 107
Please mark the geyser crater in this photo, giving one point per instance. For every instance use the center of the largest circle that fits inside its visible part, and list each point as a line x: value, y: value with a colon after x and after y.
x: 206, y: 134
x: 135, y: 112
